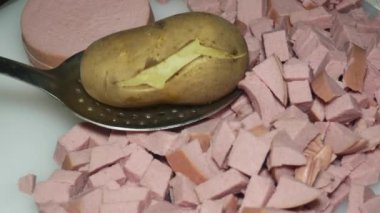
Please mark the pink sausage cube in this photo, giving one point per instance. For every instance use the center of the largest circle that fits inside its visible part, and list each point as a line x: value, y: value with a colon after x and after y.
x: 77, y: 180
x: 182, y: 191
x: 248, y: 153
x: 76, y: 159
x: 342, y: 109
x: 156, y: 178
x: 52, y: 192
x: 264, y: 185
x: 127, y: 194
x: 75, y: 139
x: 27, y: 183
x: 248, y: 10
x: 300, y: 94
x: 118, y: 137
x: 112, y: 173
x: 130, y: 207
x: 105, y: 155
x: 137, y: 164
x: 225, y: 183
x: 276, y: 43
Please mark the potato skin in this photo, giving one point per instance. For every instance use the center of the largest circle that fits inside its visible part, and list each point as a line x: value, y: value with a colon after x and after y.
x: 122, y: 55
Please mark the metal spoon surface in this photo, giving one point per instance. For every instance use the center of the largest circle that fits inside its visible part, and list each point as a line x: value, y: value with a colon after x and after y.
x: 63, y: 83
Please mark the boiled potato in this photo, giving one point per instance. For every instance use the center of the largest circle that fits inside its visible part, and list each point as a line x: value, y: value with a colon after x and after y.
x: 190, y: 58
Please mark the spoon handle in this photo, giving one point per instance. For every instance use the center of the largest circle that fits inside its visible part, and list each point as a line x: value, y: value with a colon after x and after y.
x: 27, y: 74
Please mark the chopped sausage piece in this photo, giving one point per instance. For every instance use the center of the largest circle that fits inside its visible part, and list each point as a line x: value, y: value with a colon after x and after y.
x: 310, y: 4
x: 308, y: 174
x: 159, y: 143
x: 357, y: 196
x: 292, y: 126
x: 130, y: 207
x: 182, y: 191
x: 113, y: 185
x: 102, y: 177
x: 341, y: 138
x: 372, y: 81
x: 261, y: 98
x: 301, y: 131
x: 342, y: 109
x: 242, y: 107
x: 338, y: 196
x: 295, y: 69
x: 221, y: 143
x: 264, y: 210
x: 367, y: 173
x: 285, y: 156
x: 270, y: 72
x: 337, y: 61
x: 325, y: 87
x: 88, y: 202
x: 203, y: 132
x: 127, y: 194
x: 276, y: 43
x: 260, y: 26
x: 317, y: 111
x: 248, y: 10
x: 291, y: 193
x: 354, y: 75
x: 156, y: 178
x: 230, y: 203
x: 75, y: 139
x: 77, y: 180
x: 264, y: 185
x: 300, y: 94
x: 372, y: 135
x: 315, y: 17
x: 27, y: 183
x: 373, y: 56
x: 164, y: 206
x: 280, y: 9
x: 228, y: 182
x: 105, y: 155
x: 371, y: 205
x: 344, y: 33
x: 76, y: 159
x: 292, y: 112
x: 211, y: 206
x: 189, y: 162
x: 255, y: 49
x: 251, y: 121
x: 347, y: 4
x: 248, y: 153
x: 330, y: 179
x: 229, y: 10
x: 210, y: 6
x: 118, y: 137
x: 137, y: 164
x: 52, y: 192
x: 51, y: 208
x: 312, y: 45
x: 352, y: 161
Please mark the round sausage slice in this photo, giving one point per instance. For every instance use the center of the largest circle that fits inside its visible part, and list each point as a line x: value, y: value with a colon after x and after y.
x: 52, y: 31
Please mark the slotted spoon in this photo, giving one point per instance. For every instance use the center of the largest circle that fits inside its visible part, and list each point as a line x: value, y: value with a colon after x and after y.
x: 63, y: 83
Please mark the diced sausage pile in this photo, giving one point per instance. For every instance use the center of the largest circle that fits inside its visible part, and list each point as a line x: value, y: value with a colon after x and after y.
x: 303, y: 138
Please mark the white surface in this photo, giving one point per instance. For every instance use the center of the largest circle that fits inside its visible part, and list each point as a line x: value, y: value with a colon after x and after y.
x: 31, y: 121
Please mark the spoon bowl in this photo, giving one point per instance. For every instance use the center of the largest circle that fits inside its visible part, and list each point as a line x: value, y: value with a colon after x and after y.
x: 63, y: 83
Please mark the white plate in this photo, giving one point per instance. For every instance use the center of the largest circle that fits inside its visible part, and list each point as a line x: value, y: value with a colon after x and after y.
x: 30, y: 120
